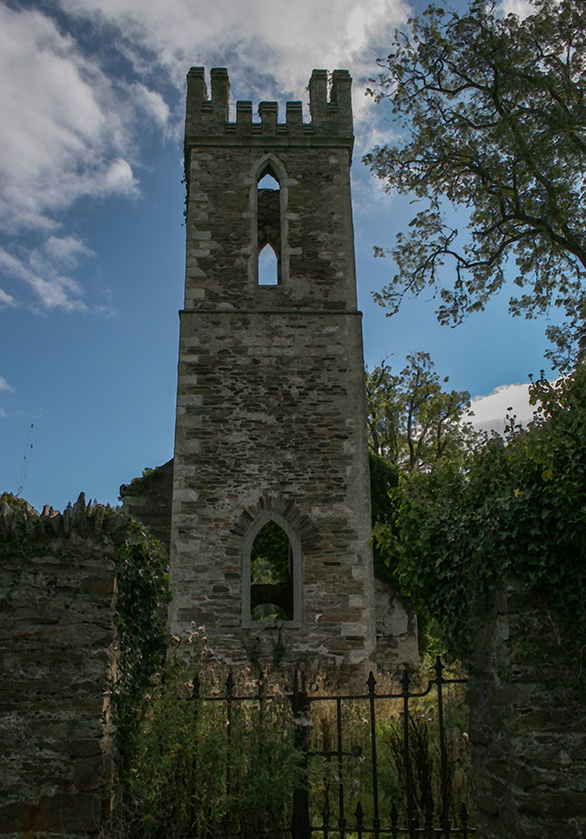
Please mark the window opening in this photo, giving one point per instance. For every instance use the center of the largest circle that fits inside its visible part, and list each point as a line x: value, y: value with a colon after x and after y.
x: 269, y: 230
x: 268, y: 267
x: 271, y: 575
x: 268, y: 182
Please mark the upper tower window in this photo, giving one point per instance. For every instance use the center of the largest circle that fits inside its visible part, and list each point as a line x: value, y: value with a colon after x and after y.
x: 269, y: 229
x: 268, y: 266
x: 268, y: 181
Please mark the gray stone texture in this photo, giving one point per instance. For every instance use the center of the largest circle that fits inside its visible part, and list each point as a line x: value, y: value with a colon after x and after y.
x: 270, y: 406
x: 527, y: 727
x: 57, y: 660
x: 148, y: 500
x: 397, y: 642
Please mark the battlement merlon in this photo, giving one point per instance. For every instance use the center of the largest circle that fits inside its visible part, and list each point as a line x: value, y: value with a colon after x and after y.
x: 208, y: 122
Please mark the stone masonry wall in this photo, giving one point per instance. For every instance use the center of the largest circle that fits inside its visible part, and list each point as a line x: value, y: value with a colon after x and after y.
x: 271, y: 421
x: 263, y: 428
x: 57, y: 654
x: 148, y: 500
x: 527, y: 727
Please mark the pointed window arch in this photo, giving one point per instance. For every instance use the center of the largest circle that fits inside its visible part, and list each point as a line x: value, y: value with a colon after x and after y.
x: 271, y: 577
x: 268, y: 266
x: 272, y: 573
x: 269, y: 199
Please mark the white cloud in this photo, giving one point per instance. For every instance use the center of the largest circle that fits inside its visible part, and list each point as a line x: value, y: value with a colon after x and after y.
x: 6, y: 299
x: 67, y: 128
x: 39, y: 270
x: 75, y: 109
x: 66, y: 250
x: 521, y: 8
x: 259, y: 40
x: 5, y: 386
x: 70, y: 122
x: 490, y: 411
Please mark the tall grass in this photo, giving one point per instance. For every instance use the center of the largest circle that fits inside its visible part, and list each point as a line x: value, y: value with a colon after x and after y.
x: 207, y: 769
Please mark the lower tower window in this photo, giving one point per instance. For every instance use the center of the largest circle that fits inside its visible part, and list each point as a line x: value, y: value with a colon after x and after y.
x: 271, y: 575
x: 272, y: 572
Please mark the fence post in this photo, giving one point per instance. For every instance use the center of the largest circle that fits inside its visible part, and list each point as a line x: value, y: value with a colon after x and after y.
x: 445, y: 779
x: 300, y: 824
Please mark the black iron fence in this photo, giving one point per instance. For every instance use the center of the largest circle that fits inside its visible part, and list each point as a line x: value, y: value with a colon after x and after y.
x: 369, y: 764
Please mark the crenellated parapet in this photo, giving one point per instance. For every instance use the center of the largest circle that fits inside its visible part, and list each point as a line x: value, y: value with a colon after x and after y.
x: 208, y: 116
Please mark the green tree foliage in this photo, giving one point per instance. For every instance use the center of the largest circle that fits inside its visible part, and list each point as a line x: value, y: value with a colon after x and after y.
x: 384, y: 477
x: 518, y: 510
x: 271, y: 547
x: 494, y: 115
x: 412, y: 421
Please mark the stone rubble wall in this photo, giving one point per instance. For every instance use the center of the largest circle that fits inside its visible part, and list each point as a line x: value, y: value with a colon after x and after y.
x: 57, y: 664
x: 397, y: 643
x: 528, y: 729
x: 149, y: 500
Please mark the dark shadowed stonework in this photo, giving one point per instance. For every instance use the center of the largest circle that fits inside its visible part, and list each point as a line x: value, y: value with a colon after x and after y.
x: 58, y: 655
x: 528, y: 728
x: 148, y: 500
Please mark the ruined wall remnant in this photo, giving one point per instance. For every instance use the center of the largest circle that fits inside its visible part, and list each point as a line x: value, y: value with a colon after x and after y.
x: 148, y: 500
x: 58, y: 657
x: 527, y: 726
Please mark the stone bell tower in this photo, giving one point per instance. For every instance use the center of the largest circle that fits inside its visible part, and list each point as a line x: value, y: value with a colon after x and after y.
x: 271, y: 499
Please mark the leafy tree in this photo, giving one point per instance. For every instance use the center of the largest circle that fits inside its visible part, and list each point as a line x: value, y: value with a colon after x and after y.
x: 412, y: 421
x: 516, y: 511
x: 494, y: 113
x: 384, y: 478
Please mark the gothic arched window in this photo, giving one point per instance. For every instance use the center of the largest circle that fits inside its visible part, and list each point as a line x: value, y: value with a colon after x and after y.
x: 269, y: 226
x: 272, y: 574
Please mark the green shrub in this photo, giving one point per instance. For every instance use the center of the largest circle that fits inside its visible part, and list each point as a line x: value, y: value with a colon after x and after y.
x: 516, y: 511
x: 206, y: 768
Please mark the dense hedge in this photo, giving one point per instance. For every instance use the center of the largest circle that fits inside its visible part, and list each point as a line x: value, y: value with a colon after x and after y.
x: 517, y: 510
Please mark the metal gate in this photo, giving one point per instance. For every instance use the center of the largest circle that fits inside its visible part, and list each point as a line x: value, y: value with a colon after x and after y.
x: 341, y: 789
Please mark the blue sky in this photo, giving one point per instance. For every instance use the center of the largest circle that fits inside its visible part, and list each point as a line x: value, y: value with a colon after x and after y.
x: 91, y: 215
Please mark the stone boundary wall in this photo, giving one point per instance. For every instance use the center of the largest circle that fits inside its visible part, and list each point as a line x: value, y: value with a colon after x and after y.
x: 57, y: 664
x: 527, y: 727
x: 149, y: 500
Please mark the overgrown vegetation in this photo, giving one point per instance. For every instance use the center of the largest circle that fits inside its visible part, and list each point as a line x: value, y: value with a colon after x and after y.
x: 13, y: 501
x: 205, y: 768
x: 198, y: 770
x: 143, y: 594
x: 142, y: 484
x: 515, y: 510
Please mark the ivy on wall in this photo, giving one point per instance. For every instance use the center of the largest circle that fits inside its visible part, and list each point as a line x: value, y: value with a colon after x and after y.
x: 142, y: 586
x: 516, y: 510
x: 143, y: 593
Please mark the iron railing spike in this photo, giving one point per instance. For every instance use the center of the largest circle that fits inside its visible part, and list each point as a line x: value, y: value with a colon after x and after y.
x: 195, y: 687
x: 371, y: 682
x: 229, y: 685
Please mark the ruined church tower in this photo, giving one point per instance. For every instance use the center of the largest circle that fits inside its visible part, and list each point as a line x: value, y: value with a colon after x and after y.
x: 271, y: 499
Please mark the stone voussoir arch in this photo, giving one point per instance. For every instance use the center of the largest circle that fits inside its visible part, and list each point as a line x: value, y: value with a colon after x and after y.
x: 303, y: 539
